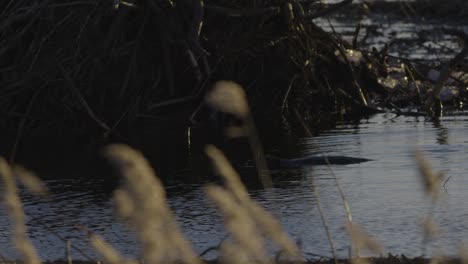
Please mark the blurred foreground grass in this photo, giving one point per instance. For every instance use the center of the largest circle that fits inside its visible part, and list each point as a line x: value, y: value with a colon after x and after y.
x: 141, y: 203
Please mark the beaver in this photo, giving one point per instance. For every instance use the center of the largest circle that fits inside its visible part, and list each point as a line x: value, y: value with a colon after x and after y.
x: 277, y: 163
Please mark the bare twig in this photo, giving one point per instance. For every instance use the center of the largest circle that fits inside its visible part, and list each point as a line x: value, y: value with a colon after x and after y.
x: 341, y: 192
x: 356, y: 36
x: 325, y: 225
x: 20, y: 130
x: 81, y: 99
x: 285, y: 99
x: 171, y: 102
x: 446, y: 181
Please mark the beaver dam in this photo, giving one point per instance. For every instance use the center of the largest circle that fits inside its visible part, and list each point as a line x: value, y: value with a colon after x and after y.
x: 260, y: 78
x: 97, y: 69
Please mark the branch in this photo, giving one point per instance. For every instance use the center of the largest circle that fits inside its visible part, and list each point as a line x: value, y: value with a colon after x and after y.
x: 80, y: 98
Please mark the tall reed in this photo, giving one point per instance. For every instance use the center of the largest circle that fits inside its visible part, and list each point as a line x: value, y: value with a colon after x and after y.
x: 432, y: 183
x: 141, y: 201
x: 229, y: 97
x: 109, y: 254
x: 16, y: 213
x: 245, y: 219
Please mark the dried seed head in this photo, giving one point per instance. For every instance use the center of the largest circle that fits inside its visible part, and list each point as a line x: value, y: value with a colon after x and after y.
x: 124, y: 203
x: 363, y: 240
x: 229, y: 97
x: 109, y: 254
x: 232, y: 253
x: 430, y: 180
x: 238, y: 222
x: 16, y: 213
x: 265, y: 221
x: 227, y: 172
x: 141, y: 201
x: 30, y: 181
x: 273, y: 229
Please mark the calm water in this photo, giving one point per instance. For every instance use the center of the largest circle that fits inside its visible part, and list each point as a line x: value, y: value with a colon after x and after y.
x: 385, y: 195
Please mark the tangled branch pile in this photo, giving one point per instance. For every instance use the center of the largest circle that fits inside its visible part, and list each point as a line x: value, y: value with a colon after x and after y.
x: 102, y: 65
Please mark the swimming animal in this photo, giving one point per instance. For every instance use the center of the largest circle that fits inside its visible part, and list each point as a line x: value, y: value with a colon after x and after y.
x: 276, y: 163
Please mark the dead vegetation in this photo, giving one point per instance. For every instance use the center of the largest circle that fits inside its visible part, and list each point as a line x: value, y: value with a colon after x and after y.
x: 99, y: 67
x: 141, y: 203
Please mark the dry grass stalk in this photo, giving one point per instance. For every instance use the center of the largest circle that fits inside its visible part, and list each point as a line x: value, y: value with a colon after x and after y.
x: 438, y: 258
x: 229, y: 97
x: 431, y: 229
x: 347, y: 208
x: 430, y: 180
x: 30, y: 181
x: 226, y: 171
x: 17, y: 217
x: 463, y: 252
x: 432, y: 183
x: 267, y: 224
x: 68, y: 256
x: 142, y: 202
x: 238, y: 222
x: 231, y: 253
x: 325, y: 225
x: 124, y: 203
x: 109, y: 254
x: 363, y: 240
x: 273, y: 229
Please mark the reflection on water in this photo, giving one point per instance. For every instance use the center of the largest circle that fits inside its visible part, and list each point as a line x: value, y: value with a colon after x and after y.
x: 385, y: 195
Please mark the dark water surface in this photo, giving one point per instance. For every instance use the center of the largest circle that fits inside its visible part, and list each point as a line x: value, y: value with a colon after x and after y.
x: 385, y: 195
